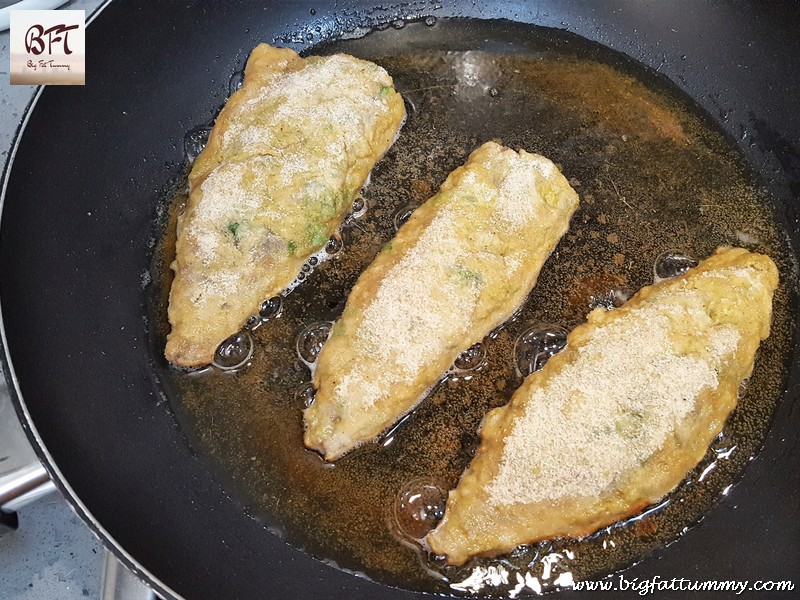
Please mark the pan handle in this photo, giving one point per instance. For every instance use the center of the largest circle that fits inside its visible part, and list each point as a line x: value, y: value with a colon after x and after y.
x: 120, y: 584
x: 25, y: 480
x: 29, y: 483
x: 22, y: 486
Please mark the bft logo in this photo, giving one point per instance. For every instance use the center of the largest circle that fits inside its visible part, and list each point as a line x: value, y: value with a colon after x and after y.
x: 35, y: 38
x: 48, y: 47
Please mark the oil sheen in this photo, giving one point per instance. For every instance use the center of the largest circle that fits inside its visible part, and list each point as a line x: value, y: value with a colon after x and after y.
x: 656, y: 179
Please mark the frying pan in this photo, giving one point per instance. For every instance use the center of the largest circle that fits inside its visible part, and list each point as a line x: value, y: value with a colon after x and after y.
x: 79, y: 203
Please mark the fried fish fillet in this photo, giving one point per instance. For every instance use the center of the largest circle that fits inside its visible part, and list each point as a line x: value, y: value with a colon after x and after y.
x: 284, y: 162
x: 460, y: 266
x: 619, y: 417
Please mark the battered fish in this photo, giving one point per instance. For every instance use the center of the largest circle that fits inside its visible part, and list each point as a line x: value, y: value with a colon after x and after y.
x: 285, y: 160
x: 619, y: 417
x: 461, y: 265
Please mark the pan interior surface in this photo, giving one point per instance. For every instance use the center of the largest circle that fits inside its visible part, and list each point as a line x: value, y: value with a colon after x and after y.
x: 655, y: 177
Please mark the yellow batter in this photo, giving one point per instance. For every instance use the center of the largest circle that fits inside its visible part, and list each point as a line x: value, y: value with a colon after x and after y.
x: 285, y: 160
x: 616, y: 420
x: 461, y: 265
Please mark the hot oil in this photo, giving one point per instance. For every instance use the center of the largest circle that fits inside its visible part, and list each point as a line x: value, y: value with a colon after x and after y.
x: 655, y: 179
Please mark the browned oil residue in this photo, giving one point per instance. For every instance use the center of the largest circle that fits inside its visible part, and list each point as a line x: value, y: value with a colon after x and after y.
x: 653, y: 175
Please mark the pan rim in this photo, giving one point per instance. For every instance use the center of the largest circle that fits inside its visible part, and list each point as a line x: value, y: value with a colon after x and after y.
x: 31, y: 432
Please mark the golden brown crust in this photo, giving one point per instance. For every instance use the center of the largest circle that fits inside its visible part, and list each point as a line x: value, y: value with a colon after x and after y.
x: 460, y: 266
x: 730, y: 291
x: 283, y: 164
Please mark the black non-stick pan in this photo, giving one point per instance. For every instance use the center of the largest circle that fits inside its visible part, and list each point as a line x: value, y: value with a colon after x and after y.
x: 86, y: 206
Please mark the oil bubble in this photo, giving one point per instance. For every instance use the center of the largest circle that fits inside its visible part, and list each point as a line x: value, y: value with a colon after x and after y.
x: 234, y: 353
x: 430, y: 21
x: 305, y: 394
x: 469, y: 443
x: 402, y: 216
x: 671, y: 264
x: 743, y: 388
x: 471, y: 359
x: 195, y: 141
x: 609, y: 300
x: 271, y: 308
x: 418, y: 507
x: 359, y: 208
x: 310, y: 341
x: 536, y: 346
x: 334, y: 245
x: 236, y: 81
x: 411, y: 105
